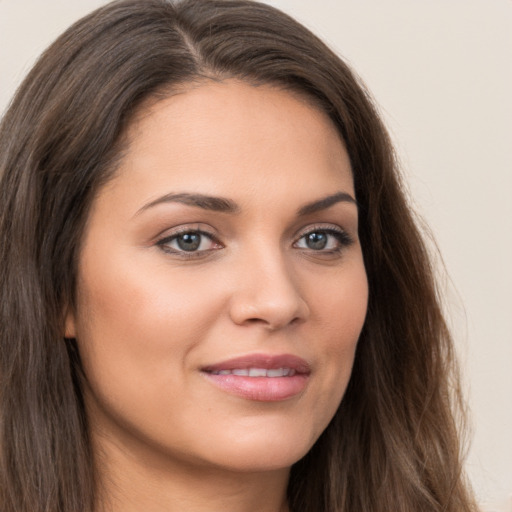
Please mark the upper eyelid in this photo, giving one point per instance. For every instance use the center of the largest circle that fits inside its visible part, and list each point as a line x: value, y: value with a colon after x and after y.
x: 330, y: 231
x: 186, y: 228
x: 208, y: 231
x: 320, y: 227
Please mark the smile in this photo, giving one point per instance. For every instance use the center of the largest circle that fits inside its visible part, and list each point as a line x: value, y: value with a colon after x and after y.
x: 260, y: 377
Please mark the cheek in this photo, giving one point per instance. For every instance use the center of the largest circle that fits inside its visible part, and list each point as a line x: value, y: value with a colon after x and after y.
x: 147, y: 305
x: 340, y: 306
x: 136, y: 328
x: 339, y: 316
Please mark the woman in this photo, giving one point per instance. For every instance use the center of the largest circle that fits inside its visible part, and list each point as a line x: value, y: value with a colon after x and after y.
x: 214, y: 293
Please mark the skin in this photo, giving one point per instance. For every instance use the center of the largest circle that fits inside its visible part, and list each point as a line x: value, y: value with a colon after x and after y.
x: 151, y: 316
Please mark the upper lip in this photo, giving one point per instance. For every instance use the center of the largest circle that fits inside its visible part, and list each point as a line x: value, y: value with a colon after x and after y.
x: 266, y: 361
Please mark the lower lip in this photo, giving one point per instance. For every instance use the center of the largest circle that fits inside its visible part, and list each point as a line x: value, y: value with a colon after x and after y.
x: 263, y: 389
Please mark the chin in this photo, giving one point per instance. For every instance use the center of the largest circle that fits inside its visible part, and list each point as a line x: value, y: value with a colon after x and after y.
x: 259, y: 461
x: 266, y: 450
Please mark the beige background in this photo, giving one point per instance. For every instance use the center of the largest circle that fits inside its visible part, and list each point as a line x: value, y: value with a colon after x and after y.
x: 442, y: 74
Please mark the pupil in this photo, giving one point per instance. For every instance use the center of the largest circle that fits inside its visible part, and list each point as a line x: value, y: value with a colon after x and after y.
x: 189, y: 241
x: 317, y: 240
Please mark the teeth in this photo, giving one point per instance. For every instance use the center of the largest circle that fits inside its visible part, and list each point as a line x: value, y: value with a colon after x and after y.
x: 278, y: 372
x: 258, y: 372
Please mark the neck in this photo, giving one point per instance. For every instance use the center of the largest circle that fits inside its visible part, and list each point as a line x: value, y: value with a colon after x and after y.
x: 149, y: 480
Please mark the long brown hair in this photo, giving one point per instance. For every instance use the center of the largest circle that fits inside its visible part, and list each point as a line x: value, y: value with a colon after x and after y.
x: 393, y: 444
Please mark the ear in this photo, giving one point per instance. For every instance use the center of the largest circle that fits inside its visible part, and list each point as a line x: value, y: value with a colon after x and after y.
x: 69, y: 324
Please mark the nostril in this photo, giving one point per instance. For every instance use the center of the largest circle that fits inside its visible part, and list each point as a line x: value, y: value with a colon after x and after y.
x: 270, y: 317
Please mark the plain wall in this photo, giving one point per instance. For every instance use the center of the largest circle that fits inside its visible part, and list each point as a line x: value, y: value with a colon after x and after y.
x: 441, y: 73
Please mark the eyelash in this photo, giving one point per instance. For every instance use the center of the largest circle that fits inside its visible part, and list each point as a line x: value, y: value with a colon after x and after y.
x: 343, y: 240
x: 164, y: 243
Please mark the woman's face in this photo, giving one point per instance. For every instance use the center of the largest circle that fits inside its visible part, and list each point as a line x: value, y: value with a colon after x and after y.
x: 221, y: 286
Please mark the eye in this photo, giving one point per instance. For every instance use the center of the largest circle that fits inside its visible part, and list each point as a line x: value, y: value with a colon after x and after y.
x: 324, y: 239
x: 189, y: 242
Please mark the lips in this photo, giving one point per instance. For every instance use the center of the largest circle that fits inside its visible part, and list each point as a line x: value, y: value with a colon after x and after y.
x: 260, y: 377
x: 264, y: 361
x: 257, y: 372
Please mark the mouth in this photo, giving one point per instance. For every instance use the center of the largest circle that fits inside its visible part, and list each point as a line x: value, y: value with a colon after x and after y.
x: 260, y: 377
x: 257, y: 372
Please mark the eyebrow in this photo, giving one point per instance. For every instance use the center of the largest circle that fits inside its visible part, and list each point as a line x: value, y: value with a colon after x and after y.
x: 216, y: 204
x: 326, y: 202
x: 224, y: 205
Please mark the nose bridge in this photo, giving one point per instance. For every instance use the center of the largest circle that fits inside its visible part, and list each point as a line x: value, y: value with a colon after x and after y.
x: 266, y: 290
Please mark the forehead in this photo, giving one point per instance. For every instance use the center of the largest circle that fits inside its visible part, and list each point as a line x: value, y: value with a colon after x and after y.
x: 233, y: 134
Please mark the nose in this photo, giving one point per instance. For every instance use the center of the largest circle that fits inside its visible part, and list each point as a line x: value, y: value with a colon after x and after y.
x: 267, y: 293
